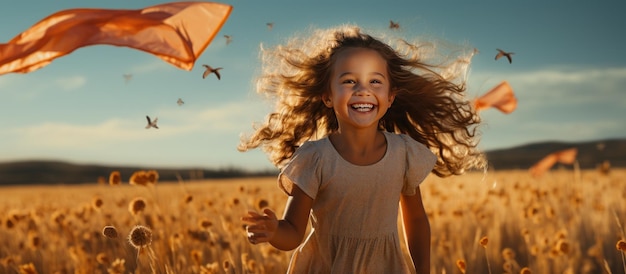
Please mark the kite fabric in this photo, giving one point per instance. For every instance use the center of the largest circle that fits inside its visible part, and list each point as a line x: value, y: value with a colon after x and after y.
x: 567, y: 156
x: 176, y: 32
x: 500, y: 97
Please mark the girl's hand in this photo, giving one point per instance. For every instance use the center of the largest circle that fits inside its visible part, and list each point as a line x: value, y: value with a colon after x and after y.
x: 261, y: 228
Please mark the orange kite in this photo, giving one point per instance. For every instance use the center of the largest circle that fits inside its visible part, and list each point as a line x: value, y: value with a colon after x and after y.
x: 567, y: 156
x: 176, y: 32
x: 500, y: 97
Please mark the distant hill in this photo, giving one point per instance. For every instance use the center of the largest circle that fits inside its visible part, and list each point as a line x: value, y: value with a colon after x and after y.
x: 59, y: 172
x: 590, y: 154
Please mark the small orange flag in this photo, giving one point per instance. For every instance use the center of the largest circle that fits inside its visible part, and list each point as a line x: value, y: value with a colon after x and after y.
x: 567, y: 156
x: 176, y: 32
x: 500, y: 97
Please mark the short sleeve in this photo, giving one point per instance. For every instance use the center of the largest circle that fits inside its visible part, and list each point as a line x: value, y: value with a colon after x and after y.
x: 302, y: 170
x: 420, y: 161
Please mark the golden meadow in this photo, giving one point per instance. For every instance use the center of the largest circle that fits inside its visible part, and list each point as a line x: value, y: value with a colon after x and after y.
x: 499, y: 222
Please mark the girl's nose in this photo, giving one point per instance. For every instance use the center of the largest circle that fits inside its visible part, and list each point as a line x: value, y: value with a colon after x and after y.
x: 360, y: 89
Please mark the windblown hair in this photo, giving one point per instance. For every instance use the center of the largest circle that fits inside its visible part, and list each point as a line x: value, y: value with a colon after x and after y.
x: 430, y: 104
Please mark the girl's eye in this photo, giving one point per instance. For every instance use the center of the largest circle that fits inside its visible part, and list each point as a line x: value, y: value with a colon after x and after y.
x: 348, y: 81
x: 375, y: 82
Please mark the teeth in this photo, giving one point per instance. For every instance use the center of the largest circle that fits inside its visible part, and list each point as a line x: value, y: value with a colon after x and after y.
x: 363, y: 107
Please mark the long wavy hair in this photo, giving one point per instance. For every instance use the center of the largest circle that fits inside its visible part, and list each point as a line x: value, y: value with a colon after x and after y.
x: 430, y: 103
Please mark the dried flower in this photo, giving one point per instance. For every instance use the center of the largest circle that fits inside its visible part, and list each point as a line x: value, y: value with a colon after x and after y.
x: 97, y: 203
x: 525, y: 233
x: 205, y: 224
x: 210, y: 268
x: 7, y: 261
x: 508, y: 254
x: 102, y: 258
x: 152, y: 176
x: 460, y: 263
x: 252, y: 266
x: 9, y: 223
x: 140, y: 236
x: 507, y: 267
x: 561, y: 234
x: 525, y: 270
x: 139, y: 177
x: 115, y: 178
x: 562, y: 246
x: 483, y: 241
x: 262, y: 203
x: 137, y: 205
x: 196, y: 256
x: 34, y: 242
x: 117, y: 267
x: 27, y: 269
x: 57, y: 217
x: 227, y: 266
x: 621, y: 245
x: 109, y: 232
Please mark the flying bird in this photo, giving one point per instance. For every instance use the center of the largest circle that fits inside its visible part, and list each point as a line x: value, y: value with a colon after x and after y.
x: 270, y: 26
x: 228, y: 39
x: 504, y: 53
x: 180, y: 102
x: 393, y: 25
x: 210, y: 70
x: 152, y: 123
x: 127, y: 78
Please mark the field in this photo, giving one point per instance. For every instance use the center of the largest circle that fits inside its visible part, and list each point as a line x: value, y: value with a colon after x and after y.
x: 498, y: 222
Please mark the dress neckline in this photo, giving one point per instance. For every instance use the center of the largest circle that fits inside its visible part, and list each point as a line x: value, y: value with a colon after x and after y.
x: 382, y: 159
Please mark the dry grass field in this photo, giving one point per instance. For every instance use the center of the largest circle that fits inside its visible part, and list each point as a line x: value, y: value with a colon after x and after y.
x: 499, y: 222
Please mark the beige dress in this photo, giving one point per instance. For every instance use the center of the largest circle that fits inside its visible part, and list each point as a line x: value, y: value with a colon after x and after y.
x: 355, y: 212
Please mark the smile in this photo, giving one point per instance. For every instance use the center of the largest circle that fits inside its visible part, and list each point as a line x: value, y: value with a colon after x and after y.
x: 362, y: 107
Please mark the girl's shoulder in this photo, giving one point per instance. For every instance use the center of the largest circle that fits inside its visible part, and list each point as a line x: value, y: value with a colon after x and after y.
x: 420, y: 161
x: 410, y: 145
x: 312, y: 148
x: 402, y: 138
x: 312, y: 145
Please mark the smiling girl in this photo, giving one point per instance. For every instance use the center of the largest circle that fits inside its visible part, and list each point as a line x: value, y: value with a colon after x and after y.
x: 358, y: 125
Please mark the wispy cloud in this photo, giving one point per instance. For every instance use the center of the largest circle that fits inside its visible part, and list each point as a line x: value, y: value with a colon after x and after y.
x: 71, y: 83
x: 561, y: 85
x: 230, y: 117
x: 151, y: 66
x: 59, y: 135
x: 573, y: 130
x: 557, y: 103
x: 225, y: 119
x: 5, y: 81
x: 11, y: 85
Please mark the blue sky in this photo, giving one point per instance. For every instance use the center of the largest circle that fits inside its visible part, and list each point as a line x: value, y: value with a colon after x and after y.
x: 568, y: 72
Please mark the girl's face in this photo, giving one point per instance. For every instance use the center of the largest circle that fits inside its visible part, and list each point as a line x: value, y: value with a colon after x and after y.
x: 359, y: 89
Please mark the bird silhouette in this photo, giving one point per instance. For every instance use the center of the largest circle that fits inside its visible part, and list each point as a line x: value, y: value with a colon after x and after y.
x: 393, y: 25
x: 270, y: 26
x: 504, y: 53
x: 180, y: 102
x: 210, y: 70
x: 127, y: 78
x: 228, y: 39
x: 152, y: 123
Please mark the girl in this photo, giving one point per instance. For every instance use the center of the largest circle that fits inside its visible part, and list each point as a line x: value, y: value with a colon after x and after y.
x: 354, y: 130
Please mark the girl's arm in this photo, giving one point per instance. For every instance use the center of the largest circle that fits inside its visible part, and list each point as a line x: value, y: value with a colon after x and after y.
x: 285, y: 234
x: 417, y: 230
